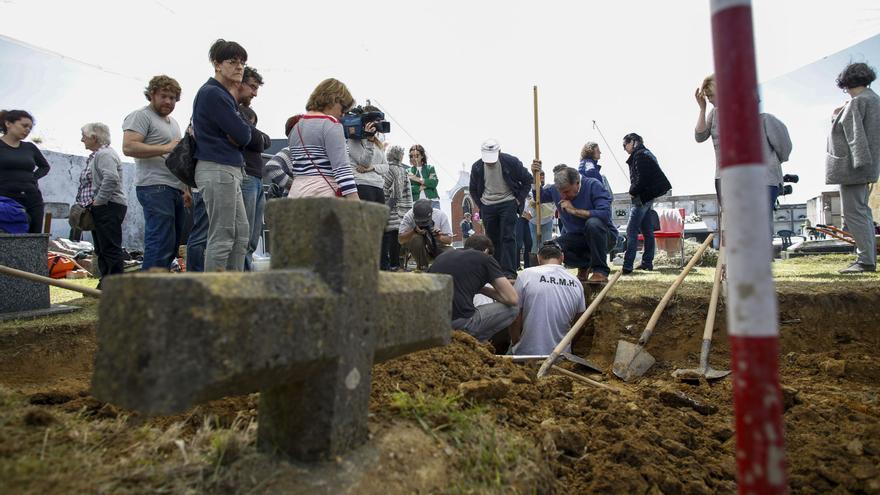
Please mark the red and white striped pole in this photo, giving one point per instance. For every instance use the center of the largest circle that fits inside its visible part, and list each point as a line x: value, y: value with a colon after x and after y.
x: 752, y: 315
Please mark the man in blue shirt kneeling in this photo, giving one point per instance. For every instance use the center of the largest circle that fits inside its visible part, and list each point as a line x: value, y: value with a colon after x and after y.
x: 585, y: 209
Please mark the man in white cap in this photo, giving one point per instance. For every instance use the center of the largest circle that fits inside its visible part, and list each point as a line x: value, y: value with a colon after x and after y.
x: 499, y: 186
x: 426, y: 232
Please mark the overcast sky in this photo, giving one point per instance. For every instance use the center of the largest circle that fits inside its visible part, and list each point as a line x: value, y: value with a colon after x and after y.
x: 451, y: 73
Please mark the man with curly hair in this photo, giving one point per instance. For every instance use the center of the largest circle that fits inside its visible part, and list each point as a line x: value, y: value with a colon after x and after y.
x: 150, y: 133
x: 853, y: 160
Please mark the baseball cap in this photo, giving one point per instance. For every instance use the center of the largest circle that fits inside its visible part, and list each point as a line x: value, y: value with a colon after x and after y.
x: 422, y: 211
x: 490, y: 150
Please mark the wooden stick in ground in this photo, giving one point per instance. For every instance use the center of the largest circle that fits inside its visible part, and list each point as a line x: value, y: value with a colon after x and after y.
x: 539, y: 237
x: 563, y: 344
x: 658, y: 311
x: 584, y: 379
x: 12, y: 272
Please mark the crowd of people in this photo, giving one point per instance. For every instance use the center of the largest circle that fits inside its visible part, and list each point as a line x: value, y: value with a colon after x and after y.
x: 220, y: 220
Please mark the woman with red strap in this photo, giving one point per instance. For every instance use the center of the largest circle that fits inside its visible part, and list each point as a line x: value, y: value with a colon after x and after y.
x: 320, y: 164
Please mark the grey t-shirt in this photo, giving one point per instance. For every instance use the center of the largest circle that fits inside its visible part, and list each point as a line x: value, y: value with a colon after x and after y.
x: 549, y: 297
x: 441, y: 221
x: 155, y: 130
x: 496, y: 191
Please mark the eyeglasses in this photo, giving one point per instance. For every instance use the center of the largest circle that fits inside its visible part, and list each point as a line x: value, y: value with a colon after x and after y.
x: 255, y: 87
x: 234, y: 61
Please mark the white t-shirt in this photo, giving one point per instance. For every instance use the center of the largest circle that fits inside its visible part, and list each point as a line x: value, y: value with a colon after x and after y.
x: 549, y: 297
x: 441, y: 221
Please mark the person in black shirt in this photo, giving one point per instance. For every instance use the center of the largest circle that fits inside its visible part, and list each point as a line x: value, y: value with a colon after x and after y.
x: 21, y: 166
x: 472, y: 268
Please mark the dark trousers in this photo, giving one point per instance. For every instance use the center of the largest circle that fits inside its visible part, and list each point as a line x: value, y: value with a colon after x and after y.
x: 588, y: 249
x: 34, y: 207
x: 372, y: 194
x: 108, y: 237
x: 499, y: 222
x: 523, y: 242
x: 197, y: 239
x: 390, y: 250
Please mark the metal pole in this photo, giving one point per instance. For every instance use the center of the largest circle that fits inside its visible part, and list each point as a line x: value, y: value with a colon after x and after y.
x: 752, y: 316
x: 538, y: 237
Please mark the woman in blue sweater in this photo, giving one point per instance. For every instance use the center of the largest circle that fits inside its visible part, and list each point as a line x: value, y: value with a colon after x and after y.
x: 221, y: 133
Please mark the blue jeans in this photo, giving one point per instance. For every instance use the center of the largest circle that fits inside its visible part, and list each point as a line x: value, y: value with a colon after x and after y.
x: 499, y: 222
x: 589, y: 248
x: 164, y: 223
x: 639, y: 221
x: 254, y: 205
x: 198, y: 236
x: 546, y: 234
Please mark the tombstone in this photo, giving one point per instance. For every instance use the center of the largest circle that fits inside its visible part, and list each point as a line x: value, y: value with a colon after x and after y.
x: 21, y: 298
x: 305, y: 334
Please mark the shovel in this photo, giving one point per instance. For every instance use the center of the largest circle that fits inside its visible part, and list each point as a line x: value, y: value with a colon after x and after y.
x: 577, y: 326
x: 631, y: 360
x: 567, y: 355
x: 705, y: 371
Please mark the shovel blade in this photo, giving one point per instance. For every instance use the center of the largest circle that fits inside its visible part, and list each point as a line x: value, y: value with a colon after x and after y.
x: 696, y: 374
x: 716, y: 374
x: 631, y: 361
x: 581, y: 361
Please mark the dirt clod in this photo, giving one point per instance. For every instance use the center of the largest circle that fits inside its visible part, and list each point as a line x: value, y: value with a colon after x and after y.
x: 38, y: 417
x: 675, y: 398
x: 480, y: 390
x: 833, y: 367
x: 49, y: 398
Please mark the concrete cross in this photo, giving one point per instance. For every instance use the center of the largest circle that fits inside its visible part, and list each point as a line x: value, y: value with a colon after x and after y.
x: 304, y: 334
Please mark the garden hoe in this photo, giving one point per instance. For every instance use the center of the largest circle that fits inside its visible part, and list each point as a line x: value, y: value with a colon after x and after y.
x: 705, y: 371
x: 631, y: 360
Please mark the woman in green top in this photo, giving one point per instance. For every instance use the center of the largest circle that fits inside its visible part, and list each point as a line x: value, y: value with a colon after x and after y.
x: 422, y: 177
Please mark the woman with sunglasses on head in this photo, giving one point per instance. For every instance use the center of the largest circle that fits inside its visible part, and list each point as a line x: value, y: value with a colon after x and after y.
x: 21, y: 166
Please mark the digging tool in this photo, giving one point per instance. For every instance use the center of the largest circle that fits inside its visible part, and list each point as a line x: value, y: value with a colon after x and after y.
x: 706, y: 371
x: 12, y: 272
x: 631, y: 360
x: 585, y: 379
x: 567, y: 355
x: 560, y: 347
x: 538, y: 184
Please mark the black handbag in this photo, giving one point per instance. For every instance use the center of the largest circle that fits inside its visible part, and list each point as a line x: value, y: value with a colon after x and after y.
x: 182, y: 161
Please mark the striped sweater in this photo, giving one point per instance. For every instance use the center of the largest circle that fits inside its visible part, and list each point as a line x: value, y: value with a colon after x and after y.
x: 321, y: 151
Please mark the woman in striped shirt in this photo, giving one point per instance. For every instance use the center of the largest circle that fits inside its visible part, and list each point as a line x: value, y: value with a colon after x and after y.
x: 319, y: 158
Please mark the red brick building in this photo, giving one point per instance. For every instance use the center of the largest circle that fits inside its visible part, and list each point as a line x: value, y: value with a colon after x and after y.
x: 461, y: 204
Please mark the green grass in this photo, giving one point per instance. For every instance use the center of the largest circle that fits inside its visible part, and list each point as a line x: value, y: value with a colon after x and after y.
x: 85, y: 316
x: 489, y: 456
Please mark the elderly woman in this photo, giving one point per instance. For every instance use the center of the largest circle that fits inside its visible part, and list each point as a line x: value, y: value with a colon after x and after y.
x: 21, y: 166
x: 100, y: 189
x: 321, y: 165
x: 399, y: 194
x: 853, y: 160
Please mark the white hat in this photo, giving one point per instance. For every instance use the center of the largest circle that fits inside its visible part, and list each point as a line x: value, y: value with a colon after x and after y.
x: 490, y: 151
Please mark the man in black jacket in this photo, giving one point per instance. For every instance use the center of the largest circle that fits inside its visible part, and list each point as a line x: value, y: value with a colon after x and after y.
x: 647, y: 182
x: 499, y: 186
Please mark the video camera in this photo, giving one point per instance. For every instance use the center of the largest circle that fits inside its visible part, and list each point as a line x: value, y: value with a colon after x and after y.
x: 787, y: 188
x: 355, y: 120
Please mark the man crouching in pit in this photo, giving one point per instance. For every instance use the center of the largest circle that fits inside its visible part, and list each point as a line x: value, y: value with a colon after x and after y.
x: 472, y: 268
x: 550, y: 300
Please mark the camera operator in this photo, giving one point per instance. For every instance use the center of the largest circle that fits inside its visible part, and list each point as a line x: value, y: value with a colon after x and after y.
x: 370, y: 166
x: 426, y: 231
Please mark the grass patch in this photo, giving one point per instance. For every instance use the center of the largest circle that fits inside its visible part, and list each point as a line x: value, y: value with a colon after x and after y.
x: 489, y: 457
x: 75, y: 452
x: 86, y: 316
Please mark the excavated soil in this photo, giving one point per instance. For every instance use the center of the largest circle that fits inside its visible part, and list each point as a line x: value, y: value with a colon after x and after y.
x: 654, y: 436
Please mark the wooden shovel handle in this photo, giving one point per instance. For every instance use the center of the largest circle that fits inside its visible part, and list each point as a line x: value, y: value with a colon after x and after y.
x: 713, y: 300
x: 646, y: 334
x: 12, y: 272
x: 577, y: 326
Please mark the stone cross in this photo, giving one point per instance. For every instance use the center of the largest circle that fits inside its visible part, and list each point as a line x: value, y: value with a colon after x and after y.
x: 304, y: 334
